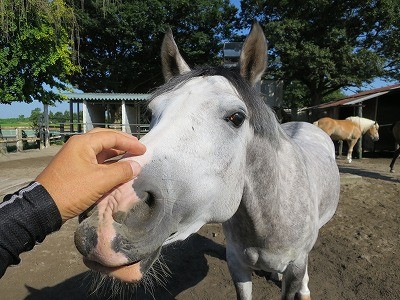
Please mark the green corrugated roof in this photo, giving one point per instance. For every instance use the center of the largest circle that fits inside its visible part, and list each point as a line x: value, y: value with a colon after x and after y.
x: 106, y: 96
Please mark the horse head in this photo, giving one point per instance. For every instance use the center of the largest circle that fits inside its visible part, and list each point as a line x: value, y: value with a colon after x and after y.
x: 373, y: 132
x: 192, y: 173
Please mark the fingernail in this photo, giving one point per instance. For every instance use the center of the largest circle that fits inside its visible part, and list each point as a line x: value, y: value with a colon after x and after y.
x: 136, y: 168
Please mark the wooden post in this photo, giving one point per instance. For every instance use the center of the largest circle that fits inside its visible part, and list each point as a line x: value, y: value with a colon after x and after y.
x: 78, y: 118
x: 71, y: 116
x: 359, y: 146
x: 3, y: 146
x: 41, y: 132
x: 46, y: 125
x: 20, y: 144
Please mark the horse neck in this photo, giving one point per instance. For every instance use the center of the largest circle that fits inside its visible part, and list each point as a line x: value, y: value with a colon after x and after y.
x: 363, y: 123
x: 261, y: 211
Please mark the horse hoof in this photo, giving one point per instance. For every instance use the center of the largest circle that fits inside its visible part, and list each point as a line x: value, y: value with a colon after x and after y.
x: 302, y: 297
x: 391, y: 171
x: 349, y: 161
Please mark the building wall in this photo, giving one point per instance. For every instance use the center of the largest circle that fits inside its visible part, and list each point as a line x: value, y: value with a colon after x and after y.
x: 92, y: 113
x: 388, y: 113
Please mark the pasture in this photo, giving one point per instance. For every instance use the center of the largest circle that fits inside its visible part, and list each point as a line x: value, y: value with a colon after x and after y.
x: 355, y: 257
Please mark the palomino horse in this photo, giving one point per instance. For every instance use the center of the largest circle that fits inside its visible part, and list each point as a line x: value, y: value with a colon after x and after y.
x: 216, y: 153
x: 396, y: 135
x: 349, y: 130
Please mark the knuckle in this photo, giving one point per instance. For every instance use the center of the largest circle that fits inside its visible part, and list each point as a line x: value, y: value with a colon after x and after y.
x: 126, y: 170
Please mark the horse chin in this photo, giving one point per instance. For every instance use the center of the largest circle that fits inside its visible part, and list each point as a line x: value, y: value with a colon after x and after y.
x: 130, y: 273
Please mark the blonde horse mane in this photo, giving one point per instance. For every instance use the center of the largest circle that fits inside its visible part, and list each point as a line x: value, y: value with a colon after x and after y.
x: 363, y: 123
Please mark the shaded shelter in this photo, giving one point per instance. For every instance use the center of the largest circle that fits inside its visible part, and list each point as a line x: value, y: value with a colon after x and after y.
x: 121, y: 111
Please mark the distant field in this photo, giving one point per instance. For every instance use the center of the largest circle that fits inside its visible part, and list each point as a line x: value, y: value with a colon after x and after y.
x: 14, y: 122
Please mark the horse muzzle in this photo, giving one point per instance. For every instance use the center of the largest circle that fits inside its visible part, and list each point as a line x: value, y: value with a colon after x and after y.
x: 122, y: 235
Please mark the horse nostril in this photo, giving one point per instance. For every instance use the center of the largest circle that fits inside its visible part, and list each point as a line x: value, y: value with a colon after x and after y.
x: 85, y: 239
x: 119, y: 216
x: 148, y: 198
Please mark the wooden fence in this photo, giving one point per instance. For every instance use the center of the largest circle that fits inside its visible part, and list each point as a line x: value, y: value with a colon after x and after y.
x: 20, y: 136
x: 16, y: 137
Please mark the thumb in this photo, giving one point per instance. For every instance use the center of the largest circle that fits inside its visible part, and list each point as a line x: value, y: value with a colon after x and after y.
x: 120, y: 172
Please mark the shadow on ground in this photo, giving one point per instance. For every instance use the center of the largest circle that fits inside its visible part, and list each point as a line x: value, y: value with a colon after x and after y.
x: 186, y: 261
x: 366, y: 173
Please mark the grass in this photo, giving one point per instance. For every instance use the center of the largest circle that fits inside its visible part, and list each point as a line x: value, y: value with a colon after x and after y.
x: 15, y: 122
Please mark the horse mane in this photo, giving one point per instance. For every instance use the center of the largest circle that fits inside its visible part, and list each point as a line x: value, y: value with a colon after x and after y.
x: 261, y: 116
x: 363, y: 123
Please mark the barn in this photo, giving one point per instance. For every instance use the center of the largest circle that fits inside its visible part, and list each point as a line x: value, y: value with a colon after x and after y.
x: 381, y: 104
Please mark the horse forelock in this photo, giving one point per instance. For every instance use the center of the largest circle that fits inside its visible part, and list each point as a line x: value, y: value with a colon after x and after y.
x: 261, y: 116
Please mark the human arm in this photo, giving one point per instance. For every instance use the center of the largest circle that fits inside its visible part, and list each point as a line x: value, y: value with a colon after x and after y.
x: 74, y: 180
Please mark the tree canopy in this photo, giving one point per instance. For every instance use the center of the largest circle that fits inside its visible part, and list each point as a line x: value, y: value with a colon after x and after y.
x: 316, y: 46
x: 320, y: 46
x: 35, y: 49
x: 120, y: 42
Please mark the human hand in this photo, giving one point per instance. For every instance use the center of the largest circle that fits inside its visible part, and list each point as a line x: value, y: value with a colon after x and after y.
x: 77, y: 176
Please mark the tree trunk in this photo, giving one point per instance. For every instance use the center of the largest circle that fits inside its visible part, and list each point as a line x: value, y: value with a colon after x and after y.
x: 316, y: 98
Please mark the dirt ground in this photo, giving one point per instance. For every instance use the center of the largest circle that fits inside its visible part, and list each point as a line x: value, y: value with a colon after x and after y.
x: 356, y: 255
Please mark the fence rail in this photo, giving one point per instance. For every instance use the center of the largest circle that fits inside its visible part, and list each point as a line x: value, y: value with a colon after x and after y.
x: 19, y: 136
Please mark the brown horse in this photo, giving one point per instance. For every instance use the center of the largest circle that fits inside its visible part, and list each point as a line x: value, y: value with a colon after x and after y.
x: 349, y: 130
x: 396, y: 135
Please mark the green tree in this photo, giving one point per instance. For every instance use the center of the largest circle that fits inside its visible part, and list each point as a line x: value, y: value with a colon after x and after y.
x: 51, y: 117
x: 120, y: 42
x: 59, y: 117
x: 35, y: 118
x: 35, y: 49
x: 66, y: 115
x: 320, y: 46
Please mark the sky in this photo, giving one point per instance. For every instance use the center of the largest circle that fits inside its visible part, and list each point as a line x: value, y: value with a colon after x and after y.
x: 18, y: 108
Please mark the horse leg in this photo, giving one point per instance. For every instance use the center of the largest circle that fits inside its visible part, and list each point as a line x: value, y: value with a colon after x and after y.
x: 340, y: 150
x: 396, y: 154
x: 351, y: 144
x: 295, y: 281
x: 241, y: 275
x: 304, y: 293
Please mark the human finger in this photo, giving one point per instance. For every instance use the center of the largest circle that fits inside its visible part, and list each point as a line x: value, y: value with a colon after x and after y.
x: 100, y: 129
x: 112, y: 140
x: 117, y: 173
x: 107, y: 154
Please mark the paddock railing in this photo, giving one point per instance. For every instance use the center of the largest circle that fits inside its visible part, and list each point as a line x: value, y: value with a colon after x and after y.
x: 16, y: 137
x: 137, y: 130
x: 21, y: 138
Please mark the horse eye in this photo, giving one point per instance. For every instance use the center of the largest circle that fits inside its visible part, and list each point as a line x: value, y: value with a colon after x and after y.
x: 236, y: 119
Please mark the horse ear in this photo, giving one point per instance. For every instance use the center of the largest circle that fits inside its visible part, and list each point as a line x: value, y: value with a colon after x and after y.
x: 172, y: 62
x: 253, y: 58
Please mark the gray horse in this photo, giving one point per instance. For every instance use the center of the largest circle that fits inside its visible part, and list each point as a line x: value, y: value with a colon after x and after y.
x: 216, y: 153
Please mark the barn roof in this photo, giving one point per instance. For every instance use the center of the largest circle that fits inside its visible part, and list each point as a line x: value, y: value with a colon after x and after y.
x: 106, y: 96
x: 360, y: 97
